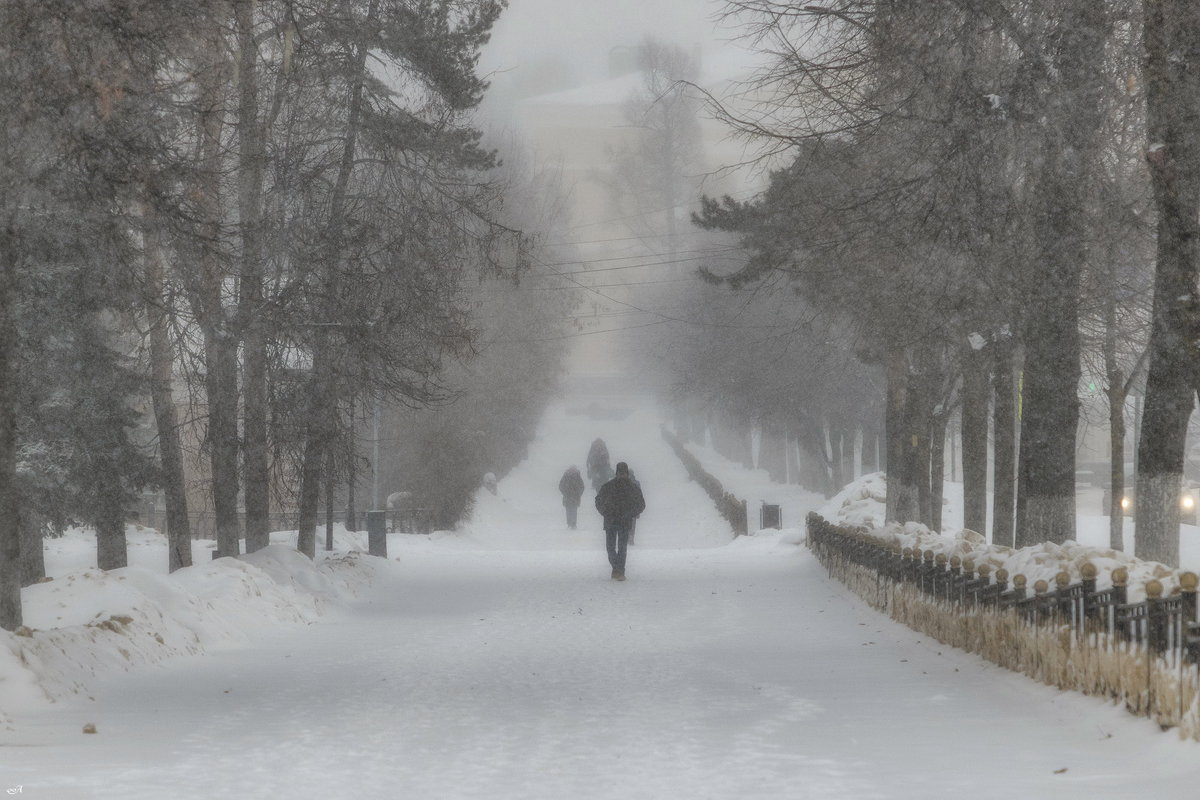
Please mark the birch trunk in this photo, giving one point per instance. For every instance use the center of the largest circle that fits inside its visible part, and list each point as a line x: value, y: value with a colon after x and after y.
x: 1116, y: 429
x: 166, y: 419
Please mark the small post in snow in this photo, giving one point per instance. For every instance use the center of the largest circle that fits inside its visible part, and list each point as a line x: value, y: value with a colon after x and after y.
x: 377, y: 533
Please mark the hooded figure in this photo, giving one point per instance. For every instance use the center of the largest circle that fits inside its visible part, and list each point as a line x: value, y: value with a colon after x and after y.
x: 619, y: 501
x: 598, y: 470
x: 571, y: 486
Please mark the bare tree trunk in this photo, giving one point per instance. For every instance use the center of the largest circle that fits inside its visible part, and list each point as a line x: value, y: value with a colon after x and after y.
x: 857, y: 456
x: 846, y: 454
x: 1172, y: 36
x: 921, y: 462
x: 1050, y: 417
x: 255, y: 460
x: 915, y: 457
x: 10, y: 529
x: 112, y: 551
x: 322, y: 404
x: 1116, y: 429
x: 170, y: 450
x: 937, y: 470
x: 316, y: 445
x: 1004, y: 444
x: 330, y: 484
x: 974, y: 422
x: 811, y: 441
x: 220, y: 341
x: 901, y: 500
x: 833, y: 440
x: 33, y: 551
x: 1046, y: 479
x: 351, y: 476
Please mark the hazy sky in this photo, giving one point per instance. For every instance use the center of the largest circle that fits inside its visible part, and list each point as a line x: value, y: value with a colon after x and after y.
x: 582, y: 31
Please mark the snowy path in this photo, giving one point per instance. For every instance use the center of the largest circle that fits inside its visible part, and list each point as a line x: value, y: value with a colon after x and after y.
x: 502, y: 663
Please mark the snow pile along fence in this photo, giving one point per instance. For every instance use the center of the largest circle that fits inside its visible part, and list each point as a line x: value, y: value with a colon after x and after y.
x: 732, y: 508
x: 1073, y: 636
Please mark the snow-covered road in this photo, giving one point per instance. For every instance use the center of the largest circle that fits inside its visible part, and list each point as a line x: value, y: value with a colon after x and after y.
x: 501, y: 662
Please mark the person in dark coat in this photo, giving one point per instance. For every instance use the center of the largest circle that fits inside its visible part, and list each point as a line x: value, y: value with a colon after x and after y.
x: 633, y: 525
x: 599, y: 471
x: 619, y: 501
x: 571, y: 486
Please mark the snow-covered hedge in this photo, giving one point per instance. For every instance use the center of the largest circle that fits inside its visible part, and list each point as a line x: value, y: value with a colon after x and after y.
x: 731, y: 507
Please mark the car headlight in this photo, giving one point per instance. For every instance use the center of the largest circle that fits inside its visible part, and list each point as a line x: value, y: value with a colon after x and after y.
x: 1188, y: 502
x: 1125, y: 504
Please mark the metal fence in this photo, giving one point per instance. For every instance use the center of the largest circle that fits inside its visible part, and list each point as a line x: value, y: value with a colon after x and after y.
x: 203, y: 523
x: 1071, y: 635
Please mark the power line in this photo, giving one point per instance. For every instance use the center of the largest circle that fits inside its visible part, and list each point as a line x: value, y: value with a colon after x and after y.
x: 690, y: 279
x: 677, y: 206
x: 621, y: 239
x: 672, y: 260
x: 664, y: 317
x: 579, y: 334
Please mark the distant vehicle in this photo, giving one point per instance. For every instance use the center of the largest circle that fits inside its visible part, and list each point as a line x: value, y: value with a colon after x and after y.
x: 1189, y: 501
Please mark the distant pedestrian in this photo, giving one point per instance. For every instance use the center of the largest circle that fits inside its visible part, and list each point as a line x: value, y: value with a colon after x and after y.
x: 599, y: 471
x: 571, y: 486
x: 619, y: 501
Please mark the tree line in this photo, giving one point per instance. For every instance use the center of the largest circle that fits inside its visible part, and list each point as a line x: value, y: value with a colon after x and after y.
x: 230, y: 226
x: 972, y: 203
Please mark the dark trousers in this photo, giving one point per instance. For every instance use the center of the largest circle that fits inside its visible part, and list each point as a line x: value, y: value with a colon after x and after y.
x: 572, y: 515
x: 618, y: 542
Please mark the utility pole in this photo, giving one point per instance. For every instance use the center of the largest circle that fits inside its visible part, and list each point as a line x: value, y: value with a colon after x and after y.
x: 375, y: 459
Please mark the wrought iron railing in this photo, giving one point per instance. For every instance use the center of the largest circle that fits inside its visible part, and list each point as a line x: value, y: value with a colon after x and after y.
x: 1072, y: 635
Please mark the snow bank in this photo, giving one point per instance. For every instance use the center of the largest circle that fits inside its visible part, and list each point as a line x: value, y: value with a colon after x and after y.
x: 84, y: 622
x: 862, y: 504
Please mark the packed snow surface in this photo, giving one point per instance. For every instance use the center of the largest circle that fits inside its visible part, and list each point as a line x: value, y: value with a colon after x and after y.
x: 500, y: 661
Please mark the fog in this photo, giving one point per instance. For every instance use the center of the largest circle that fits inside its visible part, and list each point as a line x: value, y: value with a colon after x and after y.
x: 925, y: 269
x: 578, y: 34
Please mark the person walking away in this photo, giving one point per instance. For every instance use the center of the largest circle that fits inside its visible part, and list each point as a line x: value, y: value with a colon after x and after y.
x: 633, y: 524
x: 599, y: 471
x: 571, y: 486
x: 619, y: 501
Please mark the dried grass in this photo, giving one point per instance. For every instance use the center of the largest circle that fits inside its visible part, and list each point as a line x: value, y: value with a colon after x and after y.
x: 1165, y: 689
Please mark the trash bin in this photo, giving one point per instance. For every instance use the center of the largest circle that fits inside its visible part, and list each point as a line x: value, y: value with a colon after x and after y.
x: 377, y: 533
x: 770, y: 516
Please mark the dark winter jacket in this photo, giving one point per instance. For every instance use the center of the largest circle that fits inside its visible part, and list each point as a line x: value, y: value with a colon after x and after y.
x: 571, y: 486
x: 620, y: 501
